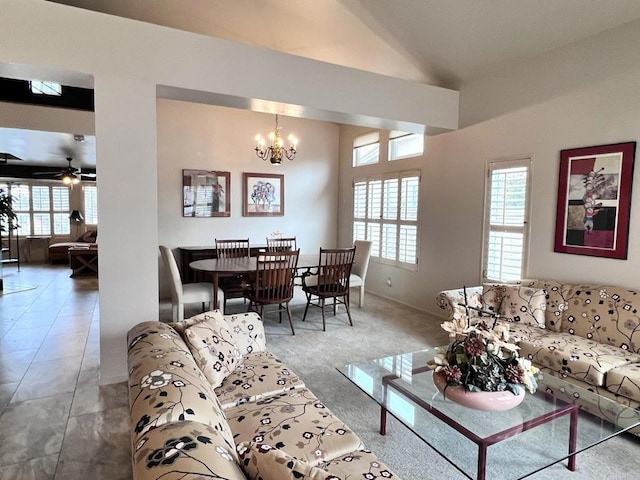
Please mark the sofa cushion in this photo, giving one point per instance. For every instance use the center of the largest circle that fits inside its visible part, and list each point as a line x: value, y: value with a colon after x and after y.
x: 492, y: 295
x: 263, y: 462
x: 294, y: 421
x: 213, y: 349
x: 575, y: 356
x: 556, y: 293
x: 361, y: 464
x: 605, y: 314
x: 261, y: 374
x: 524, y: 305
x: 248, y: 332
x: 182, y: 325
x: 172, y: 389
x: 625, y: 381
x: 186, y: 451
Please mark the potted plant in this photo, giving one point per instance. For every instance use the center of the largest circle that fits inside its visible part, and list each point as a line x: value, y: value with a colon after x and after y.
x: 8, y: 219
x: 481, y: 360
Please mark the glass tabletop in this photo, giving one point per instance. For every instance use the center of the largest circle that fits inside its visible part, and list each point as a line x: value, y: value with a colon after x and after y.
x: 520, y: 441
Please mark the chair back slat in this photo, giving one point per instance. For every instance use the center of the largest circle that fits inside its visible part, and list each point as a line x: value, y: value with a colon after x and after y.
x: 232, y: 248
x: 281, y: 244
x: 334, y: 269
x: 274, y: 275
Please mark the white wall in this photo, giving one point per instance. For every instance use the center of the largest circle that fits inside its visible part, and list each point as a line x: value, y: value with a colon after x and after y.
x: 203, y: 137
x: 128, y: 61
x: 585, y: 94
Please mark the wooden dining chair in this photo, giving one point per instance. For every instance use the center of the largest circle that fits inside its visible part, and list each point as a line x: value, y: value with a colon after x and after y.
x: 233, y: 286
x: 281, y: 244
x: 272, y: 283
x: 331, y: 281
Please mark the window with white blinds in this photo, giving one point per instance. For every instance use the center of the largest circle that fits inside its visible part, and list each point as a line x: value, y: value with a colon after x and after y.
x: 385, y: 212
x: 405, y: 145
x: 366, y: 149
x: 90, y: 204
x: 506, y: 220
x: 40, y: 209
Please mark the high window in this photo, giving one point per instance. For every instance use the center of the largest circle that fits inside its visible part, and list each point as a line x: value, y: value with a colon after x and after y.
x: 366, y: 149
x: 385, y: 212
x: 506, y: 220
x: 40, y: 209
x: 45, y: 88
x: 405, y: 145
x: 90, y: 204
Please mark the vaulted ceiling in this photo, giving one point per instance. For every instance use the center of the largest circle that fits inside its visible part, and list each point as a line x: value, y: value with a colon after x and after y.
x: 439, y: 42
x: 446, y: 43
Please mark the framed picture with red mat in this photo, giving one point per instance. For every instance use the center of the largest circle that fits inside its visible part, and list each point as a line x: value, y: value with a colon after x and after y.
x: 594, y: 200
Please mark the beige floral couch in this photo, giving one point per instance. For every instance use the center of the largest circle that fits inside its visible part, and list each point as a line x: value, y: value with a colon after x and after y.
x: 588, y: 335
x: 208, y: 400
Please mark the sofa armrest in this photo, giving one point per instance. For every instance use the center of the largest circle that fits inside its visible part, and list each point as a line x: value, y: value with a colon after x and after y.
x: 247, y: 331
x: 452, y: 301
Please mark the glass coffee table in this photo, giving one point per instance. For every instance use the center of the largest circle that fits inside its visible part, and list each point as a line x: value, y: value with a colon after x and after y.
x: 546, y: 428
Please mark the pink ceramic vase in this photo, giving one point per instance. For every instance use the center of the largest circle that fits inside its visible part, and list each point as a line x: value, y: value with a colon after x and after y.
x: 494, y: 401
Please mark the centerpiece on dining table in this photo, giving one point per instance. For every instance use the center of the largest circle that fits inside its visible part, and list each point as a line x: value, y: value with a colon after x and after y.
x: 480, y: 368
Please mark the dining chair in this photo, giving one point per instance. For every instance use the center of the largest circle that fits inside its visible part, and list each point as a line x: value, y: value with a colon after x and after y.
x: 234, y: 286
x: 281, y: 244
x: 331, y: 281
x: 360, y: 267
x: 187, y: 293
x: 272, y: 283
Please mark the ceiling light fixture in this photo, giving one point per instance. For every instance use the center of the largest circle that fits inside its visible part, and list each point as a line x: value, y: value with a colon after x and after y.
x: 276, y: 151
x: 69, y: 178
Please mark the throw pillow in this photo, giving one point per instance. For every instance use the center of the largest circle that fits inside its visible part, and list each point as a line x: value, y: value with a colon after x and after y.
x: 213, y: 349
x: 182, y: 325
x: 524, y: 305
x: 260, y: 461
x: 492, y: 296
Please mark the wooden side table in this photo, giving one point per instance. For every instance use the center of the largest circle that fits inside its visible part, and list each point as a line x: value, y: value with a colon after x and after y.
x: 83, y: 260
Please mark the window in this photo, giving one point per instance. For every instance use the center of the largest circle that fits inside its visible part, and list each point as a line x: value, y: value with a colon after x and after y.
x: 405, y: 145
x: 506, y: 226
x: 385, y: 212
x: 45, y: 88
x: 40, y: 209
x: 90, y: 204
x: 366, y: 149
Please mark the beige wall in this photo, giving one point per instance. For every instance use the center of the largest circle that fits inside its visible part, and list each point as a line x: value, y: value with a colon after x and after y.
x: 585, y: 94
x: 204, y: 137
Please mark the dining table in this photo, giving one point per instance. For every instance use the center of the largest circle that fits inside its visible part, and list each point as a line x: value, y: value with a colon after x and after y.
x: 218, y: 267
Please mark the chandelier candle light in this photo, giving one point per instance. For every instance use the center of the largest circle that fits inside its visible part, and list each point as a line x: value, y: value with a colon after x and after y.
x: 276, y: 152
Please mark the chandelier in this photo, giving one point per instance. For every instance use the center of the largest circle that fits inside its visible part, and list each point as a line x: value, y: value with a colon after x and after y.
x: 276, y: 151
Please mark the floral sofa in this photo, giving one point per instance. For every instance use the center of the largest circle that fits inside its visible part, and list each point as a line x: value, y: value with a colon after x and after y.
x: 589, y: 335
x: 208, y: 400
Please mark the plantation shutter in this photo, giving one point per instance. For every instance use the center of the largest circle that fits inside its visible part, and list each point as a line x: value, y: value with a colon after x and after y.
x: 506, y: 220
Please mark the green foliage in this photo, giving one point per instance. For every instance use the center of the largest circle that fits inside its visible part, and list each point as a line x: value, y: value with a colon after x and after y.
x: 7, y: 215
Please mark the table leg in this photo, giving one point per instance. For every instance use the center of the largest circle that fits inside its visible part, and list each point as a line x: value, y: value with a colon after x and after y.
x: 482, y: 461
x: 573, y: 438
x: 383, y: 421
x: 214, y: 282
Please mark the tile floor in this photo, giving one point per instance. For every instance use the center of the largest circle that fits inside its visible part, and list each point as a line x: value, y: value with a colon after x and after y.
x: 55, y: 421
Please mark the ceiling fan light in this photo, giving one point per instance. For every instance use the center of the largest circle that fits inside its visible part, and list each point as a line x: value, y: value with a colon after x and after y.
x: 66, y: 180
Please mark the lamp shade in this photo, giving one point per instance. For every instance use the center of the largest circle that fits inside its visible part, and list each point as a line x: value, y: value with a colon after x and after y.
x: 76, y: 216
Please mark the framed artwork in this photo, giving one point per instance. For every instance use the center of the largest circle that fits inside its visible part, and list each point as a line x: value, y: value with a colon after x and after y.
x: 262, y: 195
x: 205, y: 193
x: 594, y: 200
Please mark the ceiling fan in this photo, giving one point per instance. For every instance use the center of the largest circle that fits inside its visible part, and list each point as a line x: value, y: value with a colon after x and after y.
x: 70, y: 175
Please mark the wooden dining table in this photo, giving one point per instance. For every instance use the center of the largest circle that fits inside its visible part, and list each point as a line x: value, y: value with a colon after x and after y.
x: 218, y: 267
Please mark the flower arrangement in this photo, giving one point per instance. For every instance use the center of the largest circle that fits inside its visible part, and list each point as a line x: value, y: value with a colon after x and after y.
x: 481, y: 359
